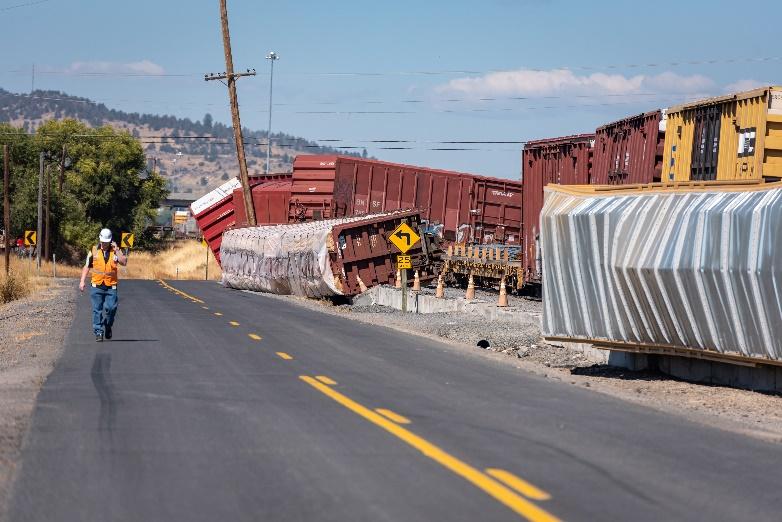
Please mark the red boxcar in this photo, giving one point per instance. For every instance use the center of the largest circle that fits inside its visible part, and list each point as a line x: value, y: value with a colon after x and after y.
x: 214, y: 212
x: 337, y: 186
x: 271, y: 201
x: 567, y: 161
x: 629, y: 150
x: 495, y: 215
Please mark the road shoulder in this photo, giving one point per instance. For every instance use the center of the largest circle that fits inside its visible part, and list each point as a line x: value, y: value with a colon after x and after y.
x: 33, y: 332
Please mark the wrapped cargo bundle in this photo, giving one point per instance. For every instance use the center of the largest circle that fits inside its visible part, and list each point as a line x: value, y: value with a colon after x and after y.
x: 316, y: 258
x: 690, y: 268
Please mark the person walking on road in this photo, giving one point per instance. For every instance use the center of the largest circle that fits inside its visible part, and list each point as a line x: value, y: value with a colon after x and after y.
x: 103, y: 260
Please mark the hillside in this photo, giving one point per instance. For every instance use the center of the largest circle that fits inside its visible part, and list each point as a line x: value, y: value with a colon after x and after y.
x: 190, y: 165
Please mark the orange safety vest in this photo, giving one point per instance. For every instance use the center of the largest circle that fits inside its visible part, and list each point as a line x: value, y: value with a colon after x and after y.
x: 103, y: 272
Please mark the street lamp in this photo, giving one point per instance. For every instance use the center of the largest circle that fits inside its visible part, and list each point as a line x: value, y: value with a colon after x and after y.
x: 272, y: 57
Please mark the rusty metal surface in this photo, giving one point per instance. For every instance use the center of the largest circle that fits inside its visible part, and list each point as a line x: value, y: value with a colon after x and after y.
x: 495, y: 211
x: 566, y: 160
x: 486, y: 262
x: 364, y: 251
x: 271, y: 201
x: 629, y: 150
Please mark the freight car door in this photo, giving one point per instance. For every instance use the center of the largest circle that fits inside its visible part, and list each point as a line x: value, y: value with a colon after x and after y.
x: 705, y: 144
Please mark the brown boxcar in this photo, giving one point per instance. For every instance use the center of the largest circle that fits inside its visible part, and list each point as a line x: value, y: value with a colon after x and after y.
x: 629, y: 150
x: 271, y: 201
x: 567, y: 161
x: 453, y: 199
x: 495, y: 215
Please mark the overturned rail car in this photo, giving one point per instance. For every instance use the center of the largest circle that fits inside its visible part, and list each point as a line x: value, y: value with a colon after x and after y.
x: 332, y: 257
x: 681, y: 269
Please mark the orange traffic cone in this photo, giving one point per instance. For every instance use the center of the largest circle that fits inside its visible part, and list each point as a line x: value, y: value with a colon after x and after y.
x: 416, y: 282
x: 503, y: 301
x: 440, y: 293
x: 470, y: 294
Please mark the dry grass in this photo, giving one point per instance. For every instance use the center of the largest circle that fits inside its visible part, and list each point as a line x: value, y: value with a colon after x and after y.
x: 184, y: 260
x: 25, y: 279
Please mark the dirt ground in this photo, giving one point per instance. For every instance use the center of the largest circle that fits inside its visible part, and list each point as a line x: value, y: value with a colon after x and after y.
x: 517, y: 342
x: 32, y: 332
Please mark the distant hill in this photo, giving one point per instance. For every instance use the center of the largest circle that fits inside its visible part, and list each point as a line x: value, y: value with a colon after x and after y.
x: 190, y: 165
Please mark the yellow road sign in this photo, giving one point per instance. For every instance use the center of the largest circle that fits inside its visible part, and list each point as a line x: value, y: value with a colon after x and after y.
x: 404, y: 262
x: 404, y: 237
x: 127, y: 240
x: 30, y: 238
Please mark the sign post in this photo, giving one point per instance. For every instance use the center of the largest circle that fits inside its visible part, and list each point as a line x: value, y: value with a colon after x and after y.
x: 206, y: 270
x: 404, y: 238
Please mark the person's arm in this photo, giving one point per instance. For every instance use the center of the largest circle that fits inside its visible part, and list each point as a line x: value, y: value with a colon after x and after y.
x: 84, y: 272
x: 121, y: 258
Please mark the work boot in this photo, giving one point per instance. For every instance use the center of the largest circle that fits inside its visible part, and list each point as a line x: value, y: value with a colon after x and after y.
x: 107, y: 335
x: 98, y: 337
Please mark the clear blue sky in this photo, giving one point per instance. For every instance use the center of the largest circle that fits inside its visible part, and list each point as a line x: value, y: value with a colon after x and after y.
x: 498, y: 49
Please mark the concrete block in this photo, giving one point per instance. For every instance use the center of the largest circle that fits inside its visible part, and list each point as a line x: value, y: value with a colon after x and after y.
x: 632, y: 361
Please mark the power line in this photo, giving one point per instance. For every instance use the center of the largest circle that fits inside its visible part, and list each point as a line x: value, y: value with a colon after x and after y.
x: 336, y: 74
x: 23, y: 5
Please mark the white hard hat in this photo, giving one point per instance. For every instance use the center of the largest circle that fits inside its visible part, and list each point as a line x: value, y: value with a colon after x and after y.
x: 105, y: 236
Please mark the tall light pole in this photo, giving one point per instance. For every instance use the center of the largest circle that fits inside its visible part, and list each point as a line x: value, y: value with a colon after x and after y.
x: 272, y: 57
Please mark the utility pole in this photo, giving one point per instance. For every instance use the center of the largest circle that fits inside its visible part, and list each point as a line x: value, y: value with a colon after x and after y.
x: 32, y: 83
x: 39, y: 230
x: 6, y: 210
x: 231, y: 78
x: 272, y: 57
x: 46, y: 233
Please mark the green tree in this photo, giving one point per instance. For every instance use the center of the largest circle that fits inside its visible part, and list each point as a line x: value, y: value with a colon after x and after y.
x: 106, y: 183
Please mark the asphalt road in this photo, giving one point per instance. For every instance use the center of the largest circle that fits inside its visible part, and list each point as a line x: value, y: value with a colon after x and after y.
x: 244, y: 407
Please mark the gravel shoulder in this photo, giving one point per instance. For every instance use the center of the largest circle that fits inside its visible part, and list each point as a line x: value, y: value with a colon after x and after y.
x: 32, y: 331
x: 517, y: 342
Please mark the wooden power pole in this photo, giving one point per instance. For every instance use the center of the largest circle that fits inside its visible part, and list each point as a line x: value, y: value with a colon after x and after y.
x: 6, y: 210
x: 231, y: 78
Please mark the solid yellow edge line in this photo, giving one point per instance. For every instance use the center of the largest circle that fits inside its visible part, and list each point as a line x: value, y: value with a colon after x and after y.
x: 493, y: 488
x: 399, y: 419
x: 255, y: 336
x: 180, y: 292
x: 283, y: 355
x: 519, y: 484
x: 326, y: 380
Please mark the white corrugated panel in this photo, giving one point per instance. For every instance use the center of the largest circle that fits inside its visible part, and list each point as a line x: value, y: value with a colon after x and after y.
x: 690, y: 269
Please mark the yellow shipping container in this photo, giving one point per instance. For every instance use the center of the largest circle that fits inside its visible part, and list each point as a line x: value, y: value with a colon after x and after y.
x: 732, y: 137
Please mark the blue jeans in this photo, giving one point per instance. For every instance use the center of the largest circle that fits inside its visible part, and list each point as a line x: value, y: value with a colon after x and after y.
x: 104, y: 308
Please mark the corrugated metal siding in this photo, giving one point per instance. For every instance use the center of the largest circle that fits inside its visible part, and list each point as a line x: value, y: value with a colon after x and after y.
x: 495, y: 214
x: 747, y: 137
x: 270, y: 200
x: 659, y: 268
x: 566, y: 160
x: 629, y: 150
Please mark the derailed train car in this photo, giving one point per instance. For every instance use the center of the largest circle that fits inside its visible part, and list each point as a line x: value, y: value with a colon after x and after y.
x: 685, y: 269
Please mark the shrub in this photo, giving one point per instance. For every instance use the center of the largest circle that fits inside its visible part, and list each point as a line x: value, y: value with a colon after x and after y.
x: 13, y: 287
